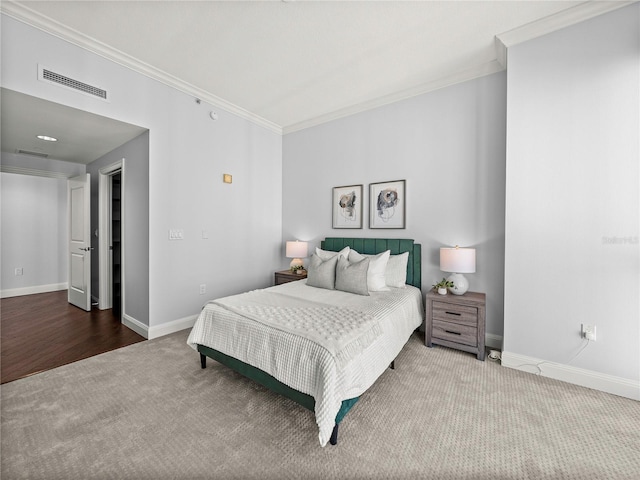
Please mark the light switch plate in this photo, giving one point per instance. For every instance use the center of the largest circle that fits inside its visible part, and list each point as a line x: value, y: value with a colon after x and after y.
x: 176, y: 234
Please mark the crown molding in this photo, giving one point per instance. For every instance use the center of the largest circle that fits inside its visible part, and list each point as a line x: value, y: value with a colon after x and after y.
x: 436, y: 84
x: 34, y: 172
x: 552, y: 23
x: 26, y: 15
x: 503, y: 41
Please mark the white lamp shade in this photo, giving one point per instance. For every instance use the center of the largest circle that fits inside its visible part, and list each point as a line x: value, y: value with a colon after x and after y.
x: 296, y: 249
x: 458, y: 260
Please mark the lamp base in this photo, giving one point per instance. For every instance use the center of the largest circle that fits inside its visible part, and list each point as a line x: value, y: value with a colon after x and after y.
x: 460, y: 284
x: 296, y: 262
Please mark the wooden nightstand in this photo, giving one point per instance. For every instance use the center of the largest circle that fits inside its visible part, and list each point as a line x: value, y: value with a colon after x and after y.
x: 456, y: 321
x: 286, y: 276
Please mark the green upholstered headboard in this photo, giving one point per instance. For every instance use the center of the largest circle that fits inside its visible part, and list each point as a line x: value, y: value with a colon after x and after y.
x: 371, y: 246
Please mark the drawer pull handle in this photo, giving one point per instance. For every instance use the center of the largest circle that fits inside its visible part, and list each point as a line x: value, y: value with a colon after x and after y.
x: 453, y: 313
x: 453, y: 333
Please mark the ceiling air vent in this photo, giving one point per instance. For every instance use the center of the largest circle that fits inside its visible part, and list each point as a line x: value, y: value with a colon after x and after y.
x: 33, y: 154
x: 50, y: 76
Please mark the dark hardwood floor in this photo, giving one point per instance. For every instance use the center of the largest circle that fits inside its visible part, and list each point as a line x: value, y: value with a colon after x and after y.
x: 43, y: 331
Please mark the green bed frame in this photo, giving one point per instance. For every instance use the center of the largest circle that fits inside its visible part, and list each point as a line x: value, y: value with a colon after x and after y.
x: 369, y: 246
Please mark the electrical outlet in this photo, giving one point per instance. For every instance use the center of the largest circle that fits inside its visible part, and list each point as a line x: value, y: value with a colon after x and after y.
x: 589, y: 332
x: 203, y: 289
x: 18, y: 271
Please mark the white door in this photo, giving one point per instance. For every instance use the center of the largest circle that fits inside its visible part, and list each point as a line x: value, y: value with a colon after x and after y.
x: 79, y: 195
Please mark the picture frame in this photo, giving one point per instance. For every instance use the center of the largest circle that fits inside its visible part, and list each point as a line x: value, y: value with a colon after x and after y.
x: 346, y: 204
x: 388, y: 204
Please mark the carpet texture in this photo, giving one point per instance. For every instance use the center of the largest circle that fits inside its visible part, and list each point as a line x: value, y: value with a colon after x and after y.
x: 148, y: 411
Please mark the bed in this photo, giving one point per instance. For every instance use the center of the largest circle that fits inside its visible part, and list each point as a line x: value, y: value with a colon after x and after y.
x: 258, y: 333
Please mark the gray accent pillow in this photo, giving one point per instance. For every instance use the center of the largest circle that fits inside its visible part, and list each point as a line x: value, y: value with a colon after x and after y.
x: 352, y: 276
x: 322, y: 273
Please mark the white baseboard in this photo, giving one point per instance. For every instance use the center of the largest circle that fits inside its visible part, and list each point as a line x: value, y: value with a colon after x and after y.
x: 160, y: 330
x: 622, y: 387
x: 172, y: 327
x: 136, y: 325
x: 18, y: 292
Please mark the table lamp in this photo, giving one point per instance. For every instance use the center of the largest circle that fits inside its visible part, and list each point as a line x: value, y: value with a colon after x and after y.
x: 296, y: 250
x: 458, y: 261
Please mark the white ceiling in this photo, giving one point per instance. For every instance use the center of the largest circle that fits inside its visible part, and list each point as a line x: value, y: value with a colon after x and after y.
x: 289, y: 65
x: 82, y: 137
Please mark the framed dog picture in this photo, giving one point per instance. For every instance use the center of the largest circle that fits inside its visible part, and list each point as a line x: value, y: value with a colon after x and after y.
x: 347, y: 206
x: 388, y: 202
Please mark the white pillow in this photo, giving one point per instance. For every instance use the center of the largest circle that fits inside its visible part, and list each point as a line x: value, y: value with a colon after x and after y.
x: 327, y: 254
x: 378, y: 263
x: 396, y: 273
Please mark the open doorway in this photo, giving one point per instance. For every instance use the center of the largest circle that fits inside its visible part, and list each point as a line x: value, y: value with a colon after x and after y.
x: 111, y: 249
x: 116, y: 244
x: 87, y: 143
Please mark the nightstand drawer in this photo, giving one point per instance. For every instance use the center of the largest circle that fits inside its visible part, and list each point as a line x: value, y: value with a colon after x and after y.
x: 455, y: 313
x: 287, y: 276
x: 455, y: 332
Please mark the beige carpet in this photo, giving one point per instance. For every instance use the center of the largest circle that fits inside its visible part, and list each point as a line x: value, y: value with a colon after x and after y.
x: 149, y: 412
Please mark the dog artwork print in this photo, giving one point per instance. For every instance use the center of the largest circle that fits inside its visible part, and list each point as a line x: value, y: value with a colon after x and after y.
x: 347, y: 206
x: 387, y: 200
x: 387, y: 204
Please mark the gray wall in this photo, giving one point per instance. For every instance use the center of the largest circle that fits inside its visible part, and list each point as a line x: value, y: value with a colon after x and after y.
x: 572, y: 201
x: 34, y: 223
x: 188, y: 153
x: 449, y: 145
x: 136, y: 227
x: 34, y: 233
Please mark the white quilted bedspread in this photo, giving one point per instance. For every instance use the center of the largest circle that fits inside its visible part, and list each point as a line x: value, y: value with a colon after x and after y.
x: 329, y: 344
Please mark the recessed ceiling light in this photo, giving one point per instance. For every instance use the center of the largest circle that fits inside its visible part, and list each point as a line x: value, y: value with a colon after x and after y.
x: 47, y: 138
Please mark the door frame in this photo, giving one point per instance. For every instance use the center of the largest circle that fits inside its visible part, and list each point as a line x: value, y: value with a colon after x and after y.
x: 105, y: 258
